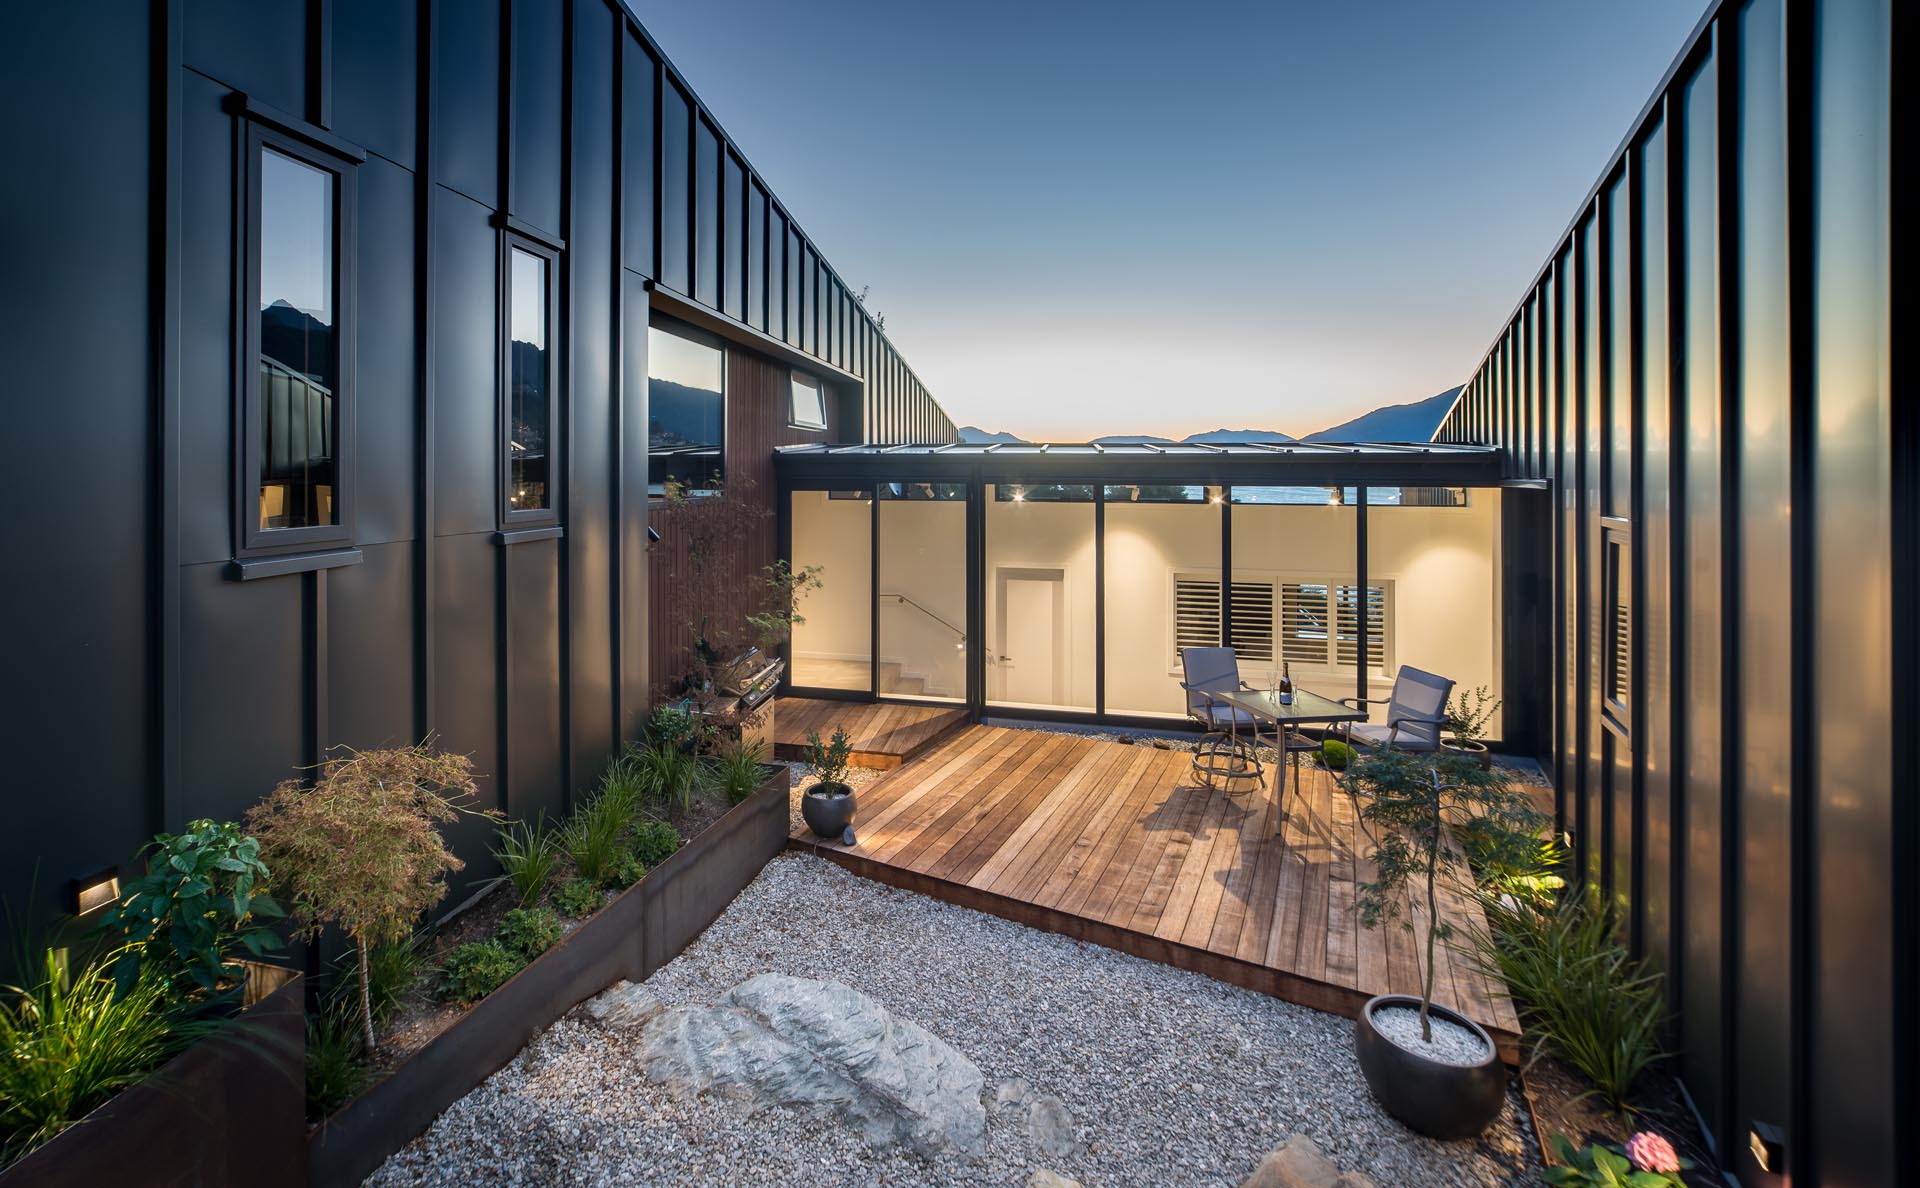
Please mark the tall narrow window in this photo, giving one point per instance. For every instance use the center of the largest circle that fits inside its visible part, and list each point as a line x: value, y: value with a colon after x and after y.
x: 1619, y: 627
x: 296, y: 406
x: 529, y: 371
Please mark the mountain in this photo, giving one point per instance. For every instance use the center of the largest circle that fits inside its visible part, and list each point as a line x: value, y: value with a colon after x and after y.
x: 973, y: 435
x: 1132, y: 439
x: 1232, y: 436
x: 1418, y: 421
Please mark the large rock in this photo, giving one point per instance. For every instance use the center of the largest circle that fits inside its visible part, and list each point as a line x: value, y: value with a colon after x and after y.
x: 1047, y: 1178
x: 775, y: 1039
x: 1050, y: 1126
x: 1297, y: 1163
x: 624, y: 1005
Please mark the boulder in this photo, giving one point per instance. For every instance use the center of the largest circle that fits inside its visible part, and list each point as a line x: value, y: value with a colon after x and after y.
x: 624, y: 1004
x: 1050, y: 1126
x: 1050, y: 1179
x: 1296, y: 1163
x: 780, y: 1040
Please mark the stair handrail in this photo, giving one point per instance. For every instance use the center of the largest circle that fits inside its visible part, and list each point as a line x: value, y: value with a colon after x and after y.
x: 906, y: 601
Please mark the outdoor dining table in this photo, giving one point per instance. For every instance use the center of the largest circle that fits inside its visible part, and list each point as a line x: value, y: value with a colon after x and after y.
x: 1308, y: 709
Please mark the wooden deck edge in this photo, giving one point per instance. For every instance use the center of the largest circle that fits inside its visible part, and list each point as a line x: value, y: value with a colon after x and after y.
x: 869, y: 760
x: 1289, y: 987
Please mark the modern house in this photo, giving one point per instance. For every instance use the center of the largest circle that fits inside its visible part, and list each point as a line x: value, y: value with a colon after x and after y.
x: 418, y: 307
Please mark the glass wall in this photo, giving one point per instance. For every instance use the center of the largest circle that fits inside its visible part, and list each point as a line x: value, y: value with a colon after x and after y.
x: 1041, y: 650
x: 921, y: 601
x: 832, y: 646
x: 1433, y: 577
x: 1162, y: 591
x: 1294, y: 602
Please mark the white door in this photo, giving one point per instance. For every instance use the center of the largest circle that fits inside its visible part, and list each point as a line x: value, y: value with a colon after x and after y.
x: 1029, y: 631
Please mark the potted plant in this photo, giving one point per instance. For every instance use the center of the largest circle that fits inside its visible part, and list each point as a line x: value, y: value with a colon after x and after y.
x: 829, y: 804
x: 1468, y: 716
x: 1432, y: 1068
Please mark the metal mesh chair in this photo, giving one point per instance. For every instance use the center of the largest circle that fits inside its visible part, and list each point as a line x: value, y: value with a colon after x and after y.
x: 1223, y: 756
x: 1416, y: 711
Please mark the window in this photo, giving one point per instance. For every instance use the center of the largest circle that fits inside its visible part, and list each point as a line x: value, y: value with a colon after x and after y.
x: 1619, y: 626
x: 1196, y: 612
x: 296, y: 411
x: 529, y: 368
x: 806, y: 407
x: 686, y: 407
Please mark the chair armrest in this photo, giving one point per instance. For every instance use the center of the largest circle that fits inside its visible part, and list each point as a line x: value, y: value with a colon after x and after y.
x: 1418, y: 719
x: 1357, y: 702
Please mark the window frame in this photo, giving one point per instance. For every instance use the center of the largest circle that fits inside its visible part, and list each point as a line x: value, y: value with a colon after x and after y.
x: 1616, y: 643
x: 794, y: 375
x: 262, y: 133
x: 668, y: 324
x: 514, y: 519
x: 1276, y: 581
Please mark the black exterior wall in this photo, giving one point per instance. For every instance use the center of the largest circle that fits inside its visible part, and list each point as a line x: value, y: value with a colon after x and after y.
x: 151, y: 683
x: 1704, y: 374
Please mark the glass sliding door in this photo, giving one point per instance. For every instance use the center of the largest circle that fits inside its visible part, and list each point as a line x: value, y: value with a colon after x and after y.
x: 1040, y: 596
x: 832, y: 645
x: 1162, y: 591
x: 920, y: 598
x: 1295, y: 602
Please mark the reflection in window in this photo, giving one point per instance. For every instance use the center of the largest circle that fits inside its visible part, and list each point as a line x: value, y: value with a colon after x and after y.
x: 299, y: 359
x: 924, y: 492
x: 686, y: 408
x: 527, y: 395
x: 806, y: 408
x: 1043, y: 493
x: 1161, y: 493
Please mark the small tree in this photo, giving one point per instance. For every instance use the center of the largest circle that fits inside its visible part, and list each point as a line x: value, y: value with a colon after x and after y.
x: 361, y: 848
x: 1417, y: 801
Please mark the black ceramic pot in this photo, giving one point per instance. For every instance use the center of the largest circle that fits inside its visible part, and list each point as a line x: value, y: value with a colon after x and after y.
x: 828, y: 809
x: 1443, y: 1101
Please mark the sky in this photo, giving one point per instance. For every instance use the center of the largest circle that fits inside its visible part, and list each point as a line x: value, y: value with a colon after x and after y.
x: 1094, y: 218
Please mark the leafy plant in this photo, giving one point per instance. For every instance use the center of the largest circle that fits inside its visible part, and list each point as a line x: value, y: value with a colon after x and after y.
x: 668, y: 775
x: 71, y: 1041
x: 579, y: 898
x: 528, y: 854
x: 1528, y: 874
x: 1416, y: 801
x: 203, y: 898
x: 1578, y: 991
x: 626, y: 871
x: 336, y: 1064
x: 476, y: 970
x: 595, y: 836
x: 360, y: 849
x: 829, y: 761
x: 1470, y: 713
x: 1335, y: 754
x: 529, y: 932
x: 672, y: 727
x: 654, y: 842
x: 1647, y: 1161
x: 738, y: 769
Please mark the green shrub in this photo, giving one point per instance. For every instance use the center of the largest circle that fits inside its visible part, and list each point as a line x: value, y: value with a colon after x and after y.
x: 529, y: 932
x: 654, y: 842
x: 394, y: 973
x: 1604, y: 1165
x: 738, y: 770
x: 527, y: 853
x: 625, y: 872
x: 1335, y: 754
x: 579, y: 898
x: 202, y: 900
x: 596, y: 835
x: 71, y: 1041
x: 476, y: 970
x: 1579, y: 993
x: 828, y: 761
x: 668, y: 775
x: 670, y: 727
x: 336, y: 1065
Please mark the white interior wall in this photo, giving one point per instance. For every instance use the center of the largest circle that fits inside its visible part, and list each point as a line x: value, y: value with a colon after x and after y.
x: 1146, y: 544
x: 1443, y: 562
x: 836, y: 535
x: 923, y: 555
x: 1040, y: 535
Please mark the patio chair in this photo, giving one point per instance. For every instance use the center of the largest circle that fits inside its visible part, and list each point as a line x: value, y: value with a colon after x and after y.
x: 1416, y: 711
x: 1222, y: 754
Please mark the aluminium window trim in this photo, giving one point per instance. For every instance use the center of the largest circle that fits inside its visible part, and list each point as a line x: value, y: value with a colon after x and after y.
x: 263, y: 132
x: 513, y: 521
x: 794, y: 377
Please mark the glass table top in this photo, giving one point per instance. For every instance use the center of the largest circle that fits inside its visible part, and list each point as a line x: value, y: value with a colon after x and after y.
x: 1307, y: 706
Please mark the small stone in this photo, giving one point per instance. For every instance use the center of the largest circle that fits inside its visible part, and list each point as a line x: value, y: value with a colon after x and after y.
x: 1050, y: 1179
x: 1050, y: 1126
x: 624, y: 1004
x: 1296, y: 1163
x: 847, y: 838
x: 1009, y: 1093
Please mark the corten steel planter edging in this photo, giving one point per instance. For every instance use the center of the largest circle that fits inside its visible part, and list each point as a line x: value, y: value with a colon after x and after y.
x: 226, y: 1113
x: 639, y: 931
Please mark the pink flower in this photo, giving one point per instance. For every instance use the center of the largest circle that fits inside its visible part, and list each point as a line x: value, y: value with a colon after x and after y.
x: 1650, y: 1152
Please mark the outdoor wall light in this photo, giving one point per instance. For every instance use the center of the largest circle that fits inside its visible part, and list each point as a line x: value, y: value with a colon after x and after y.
x: 1769, y: 1147
x: 95, y: 891
x: 653, y: 535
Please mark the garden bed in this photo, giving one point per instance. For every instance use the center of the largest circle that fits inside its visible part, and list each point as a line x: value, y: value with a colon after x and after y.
x: 1560, y: 1101
x: 637, y: 932
x: 227, y: 1111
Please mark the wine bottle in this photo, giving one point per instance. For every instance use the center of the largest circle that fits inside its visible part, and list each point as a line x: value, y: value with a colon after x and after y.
x: 1286, y: 683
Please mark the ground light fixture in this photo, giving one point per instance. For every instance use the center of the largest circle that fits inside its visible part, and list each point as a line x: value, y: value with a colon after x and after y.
x: 1769, y: 1146
x: 95, y: 891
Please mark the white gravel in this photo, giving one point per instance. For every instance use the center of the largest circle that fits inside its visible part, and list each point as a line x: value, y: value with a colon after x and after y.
x: 1452, y: 1043
x: 1170, y: 1078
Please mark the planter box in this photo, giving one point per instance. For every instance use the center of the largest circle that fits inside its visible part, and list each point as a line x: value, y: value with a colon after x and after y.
x: 637, y: 933
x: 230, y: 1110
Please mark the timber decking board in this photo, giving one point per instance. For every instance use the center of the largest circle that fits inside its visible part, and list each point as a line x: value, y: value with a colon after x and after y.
x: 1119, y: 845
x: 885, y: 734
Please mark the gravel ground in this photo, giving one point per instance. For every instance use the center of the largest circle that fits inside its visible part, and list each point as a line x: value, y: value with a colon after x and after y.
x: 1172, y: 1078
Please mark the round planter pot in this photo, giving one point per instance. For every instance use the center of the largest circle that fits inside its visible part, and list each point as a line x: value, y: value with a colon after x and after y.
x: 1443, y: 1101
x: 828, y: 809
x: 1476, y: 750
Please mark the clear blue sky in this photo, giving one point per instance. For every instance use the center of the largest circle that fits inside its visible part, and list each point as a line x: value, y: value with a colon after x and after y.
x: 1085, y: 218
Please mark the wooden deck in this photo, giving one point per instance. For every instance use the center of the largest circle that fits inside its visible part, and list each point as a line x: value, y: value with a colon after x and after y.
x: 884, y: 734
x: 1118, y: 845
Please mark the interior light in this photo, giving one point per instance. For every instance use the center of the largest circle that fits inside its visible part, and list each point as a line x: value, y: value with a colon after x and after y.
x: 1019, y: 496
x: 96, y: 891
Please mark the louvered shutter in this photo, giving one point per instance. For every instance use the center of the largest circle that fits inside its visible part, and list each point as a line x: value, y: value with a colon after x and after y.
x: 1303, y: 623
x: 1252, y: 622
x: 1350, y: 610
x: 1196, y: 613
x: 1622, y: 668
